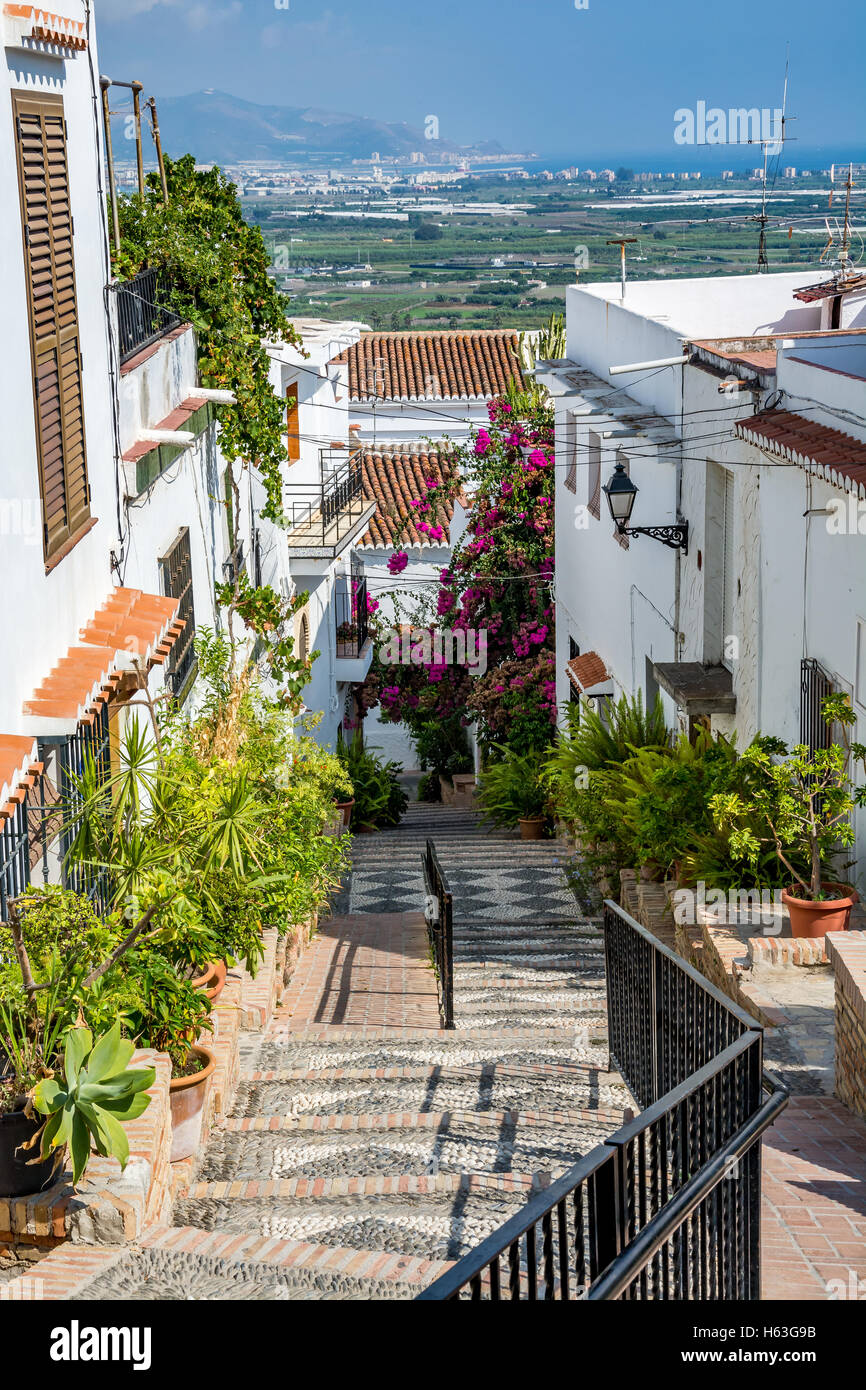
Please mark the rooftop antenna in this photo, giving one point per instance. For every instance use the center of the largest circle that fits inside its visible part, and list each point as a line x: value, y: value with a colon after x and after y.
x: 843, y: 265
x: 777, y: 145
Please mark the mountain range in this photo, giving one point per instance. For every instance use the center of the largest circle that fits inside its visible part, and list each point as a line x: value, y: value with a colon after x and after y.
x: 218, y: 127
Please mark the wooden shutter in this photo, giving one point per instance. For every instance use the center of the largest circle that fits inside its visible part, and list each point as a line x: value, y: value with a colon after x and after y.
x: 46, y: 212
x: 293, y: 429
x: 594, y: 495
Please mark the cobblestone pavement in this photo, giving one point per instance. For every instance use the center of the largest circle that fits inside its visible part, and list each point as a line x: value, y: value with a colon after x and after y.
x: 363, y: 1134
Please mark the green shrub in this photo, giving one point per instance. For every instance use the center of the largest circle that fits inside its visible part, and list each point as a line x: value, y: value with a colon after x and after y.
x: 511, y: 789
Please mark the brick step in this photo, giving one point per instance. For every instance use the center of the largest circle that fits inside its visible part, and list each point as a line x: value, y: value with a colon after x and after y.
x: 419, y: 1143
x: 440, y: 1217
x: 356, y: 1091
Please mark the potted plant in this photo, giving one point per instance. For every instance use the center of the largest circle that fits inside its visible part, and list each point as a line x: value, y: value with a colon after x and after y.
x: 379, y: 798
x: 511, y: 792
x: 805, y: 799
x: 170, y: 1018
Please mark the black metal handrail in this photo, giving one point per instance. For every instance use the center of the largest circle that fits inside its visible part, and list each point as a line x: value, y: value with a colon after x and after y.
x: 669, y: 1207
x: 142, y: 313
x: 439, y: 915
x: 326, y: 512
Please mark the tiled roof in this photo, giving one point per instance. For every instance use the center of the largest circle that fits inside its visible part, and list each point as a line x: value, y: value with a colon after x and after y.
x: 394, y: 480
x: 432, y: 366
x: 837, y: 457
x: 828, y: 289
x: 30, y: 22
x: 131, y: 630
x: 587, y: 671
x: 17, y: 757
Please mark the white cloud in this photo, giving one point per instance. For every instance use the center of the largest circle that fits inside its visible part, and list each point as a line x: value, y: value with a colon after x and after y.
x: 196, y: 16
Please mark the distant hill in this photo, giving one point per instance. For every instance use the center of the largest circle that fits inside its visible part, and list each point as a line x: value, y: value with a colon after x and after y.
x: 217, y: 127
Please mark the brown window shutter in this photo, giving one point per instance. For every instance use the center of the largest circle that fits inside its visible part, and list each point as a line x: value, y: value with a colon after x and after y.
x: 293, y: 428
x: 54, y: 336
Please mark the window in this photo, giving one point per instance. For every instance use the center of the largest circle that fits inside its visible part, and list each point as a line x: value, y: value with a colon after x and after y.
x: 43, y: 175
x: 623, y: 458
x: 860, y: 676
x: 594, y: 471
x: 571, y: 452
x: 304, y: 638
x: 293, y: 426
x: 176, y: 575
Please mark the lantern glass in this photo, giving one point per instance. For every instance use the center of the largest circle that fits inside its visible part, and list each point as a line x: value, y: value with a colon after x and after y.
x: 621, y: 493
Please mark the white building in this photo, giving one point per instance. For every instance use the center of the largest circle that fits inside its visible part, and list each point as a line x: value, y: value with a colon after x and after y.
x: 724, y: 426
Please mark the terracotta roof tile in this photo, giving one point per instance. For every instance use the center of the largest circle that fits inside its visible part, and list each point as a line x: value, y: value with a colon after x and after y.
x: 394, y: 480
x: 432, y: 366
x: 837, y: 457
x: 829, y: 289
x: 17, y: 756
x: 47, y: 27
x: 132, y: 629
x: 586, y: 671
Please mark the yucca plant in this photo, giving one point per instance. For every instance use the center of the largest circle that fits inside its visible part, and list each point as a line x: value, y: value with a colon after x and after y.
x: 95, y: 1097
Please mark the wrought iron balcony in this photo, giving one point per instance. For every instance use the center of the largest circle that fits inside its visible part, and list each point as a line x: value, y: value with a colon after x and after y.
x: 353, y: 626
x: 142, y: 315
x: 325, y: 517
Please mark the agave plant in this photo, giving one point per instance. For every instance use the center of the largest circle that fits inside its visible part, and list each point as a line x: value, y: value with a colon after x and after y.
x: 95, y: 1098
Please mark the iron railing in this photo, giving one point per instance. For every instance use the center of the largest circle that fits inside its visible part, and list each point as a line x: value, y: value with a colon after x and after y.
x: 669, y: 1207
x: 16, y: 843
x: 142, y: 313
x: 352, y: 616
x: 326, y: 513
x: 815, y: 686
x: 439, y: 914
x: 176, y: 572
x: 88, y: 748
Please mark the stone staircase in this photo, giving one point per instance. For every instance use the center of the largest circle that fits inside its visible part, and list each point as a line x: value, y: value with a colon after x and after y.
x: 358, y: 1161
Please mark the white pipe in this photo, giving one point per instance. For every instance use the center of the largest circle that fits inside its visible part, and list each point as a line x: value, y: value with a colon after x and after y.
x: 648, y: 366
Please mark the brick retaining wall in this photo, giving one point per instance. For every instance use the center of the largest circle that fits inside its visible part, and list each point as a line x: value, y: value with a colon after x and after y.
x: 847, y: 953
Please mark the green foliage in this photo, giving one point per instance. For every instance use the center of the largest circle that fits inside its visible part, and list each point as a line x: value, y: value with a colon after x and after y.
x: 96, y: 1095
x: 443, y: 746
x: 587, y: 746
x: 511, y: 789
x: 217, y: 279
x: 800, y: 803
x: 379, y: 798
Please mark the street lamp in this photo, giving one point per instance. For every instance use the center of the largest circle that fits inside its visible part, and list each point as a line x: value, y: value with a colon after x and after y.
x: 621, y: 493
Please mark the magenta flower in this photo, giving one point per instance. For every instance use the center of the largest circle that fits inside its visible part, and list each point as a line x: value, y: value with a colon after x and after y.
x: 398, y: 562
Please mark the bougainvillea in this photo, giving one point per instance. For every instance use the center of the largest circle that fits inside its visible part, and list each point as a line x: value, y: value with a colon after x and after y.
x: 498, y: 584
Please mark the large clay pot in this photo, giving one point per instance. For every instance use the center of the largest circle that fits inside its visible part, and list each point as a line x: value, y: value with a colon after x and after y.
x: 811, y: 919
x: 345, y: 807
x: 187, y: 1095
x: 213, y: 981
x: 17, y: 1177
x: 532, y: 828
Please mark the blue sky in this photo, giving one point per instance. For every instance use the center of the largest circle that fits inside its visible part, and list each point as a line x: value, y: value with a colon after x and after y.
x: 543, y: 76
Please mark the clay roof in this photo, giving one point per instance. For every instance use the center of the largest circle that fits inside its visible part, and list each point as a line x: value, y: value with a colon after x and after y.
x: 837, y: 457
x: 31, y: 22
x: 432, y: 366
x: 131, y: 630
x: 18, y: 756
x: 394, y: 479
x: 829, y: 289
x: 587, y: 671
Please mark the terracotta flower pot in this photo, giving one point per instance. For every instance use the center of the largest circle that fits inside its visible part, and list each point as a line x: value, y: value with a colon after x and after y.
x: 811, y: 919
x: 17, y: 1177
x: 532, y: 827
x: 346, y: 808
x: 213, y: 981
x: 187, y: 1095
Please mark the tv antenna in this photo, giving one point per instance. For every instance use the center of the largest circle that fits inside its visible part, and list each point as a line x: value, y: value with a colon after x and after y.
x: 839, y: 238
x: 776, y: 145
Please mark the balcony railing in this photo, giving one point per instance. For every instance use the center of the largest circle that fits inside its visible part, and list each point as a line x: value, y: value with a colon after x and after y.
x: 439, y: 915
x: 323, y: 515
x: 353, y: 622
x: 669, y: 1207
x: 142, y: 313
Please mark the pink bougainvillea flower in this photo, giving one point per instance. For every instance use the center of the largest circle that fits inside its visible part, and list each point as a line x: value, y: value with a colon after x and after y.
x: 398, y: 562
